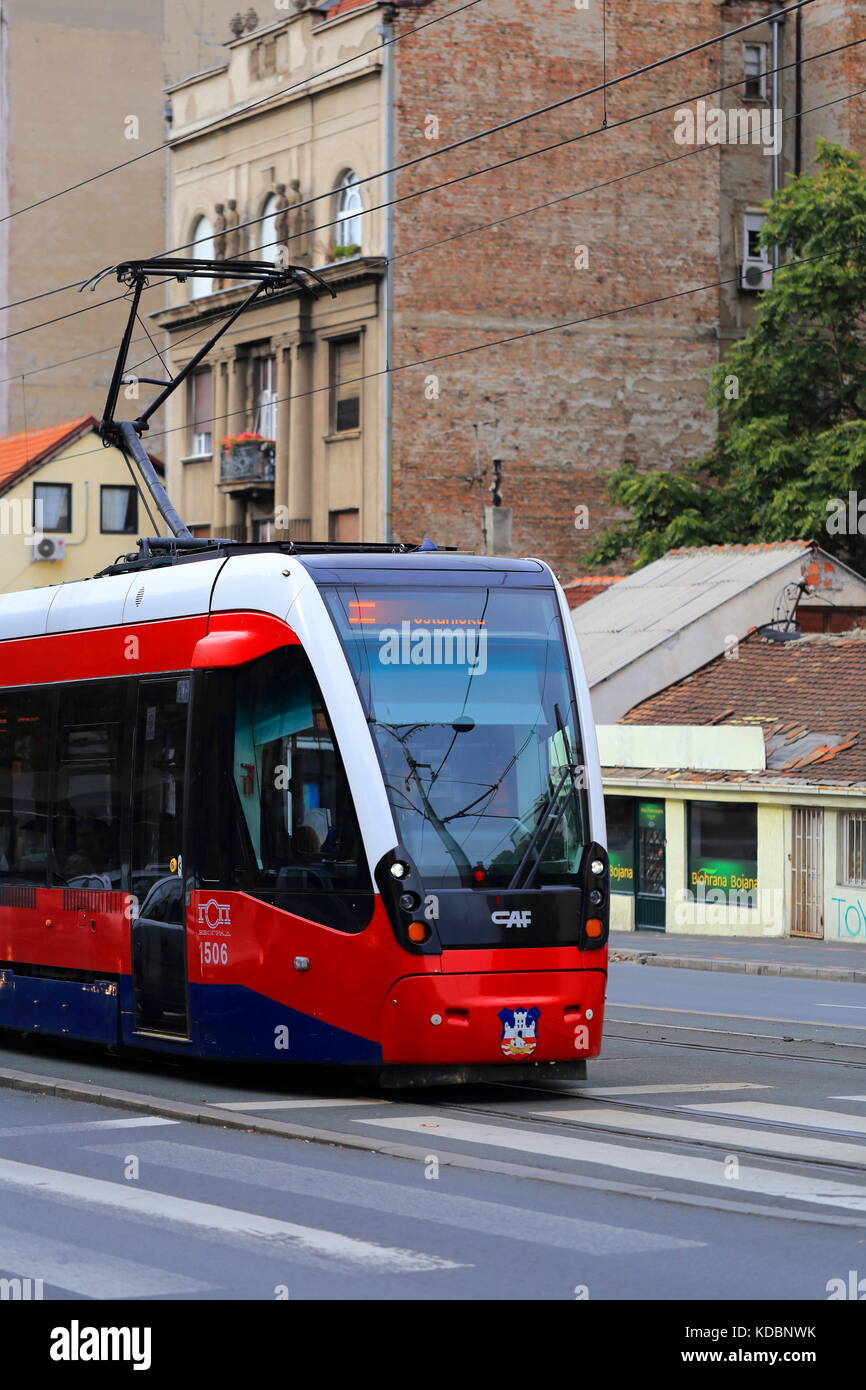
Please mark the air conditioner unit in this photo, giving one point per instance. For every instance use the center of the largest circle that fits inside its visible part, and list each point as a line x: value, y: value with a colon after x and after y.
x: 755, y: 276
x: 48, y: 548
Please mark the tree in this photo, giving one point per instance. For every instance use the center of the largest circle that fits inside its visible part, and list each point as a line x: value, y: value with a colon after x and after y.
x: 791, y: 396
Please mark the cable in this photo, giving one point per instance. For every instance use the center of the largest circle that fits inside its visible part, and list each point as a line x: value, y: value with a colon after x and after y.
x: 46, y: 323
x: 425, y: 246
x: 244, y: 110
x: 492, y: 168
x: 543, y: 111
x: 516, y: 337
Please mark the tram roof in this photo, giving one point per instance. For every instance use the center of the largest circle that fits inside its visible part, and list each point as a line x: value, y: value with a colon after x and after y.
x: 235, y: 578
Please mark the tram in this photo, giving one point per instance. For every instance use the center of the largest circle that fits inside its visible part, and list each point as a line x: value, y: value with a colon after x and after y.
x: 307, y: 804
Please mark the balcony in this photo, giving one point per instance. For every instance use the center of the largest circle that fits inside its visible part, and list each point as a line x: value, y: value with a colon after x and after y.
x: 247, y: 465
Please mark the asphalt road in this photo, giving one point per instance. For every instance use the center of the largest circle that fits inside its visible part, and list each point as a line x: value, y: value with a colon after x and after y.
x: 705, y: 1158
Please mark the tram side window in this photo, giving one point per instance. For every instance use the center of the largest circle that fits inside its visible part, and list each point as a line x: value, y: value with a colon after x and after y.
x: 87, y: 793
x: 298, y: 819
x: 25, y: 725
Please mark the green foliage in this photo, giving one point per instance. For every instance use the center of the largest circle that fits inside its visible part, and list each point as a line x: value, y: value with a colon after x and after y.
x: 792, y: 429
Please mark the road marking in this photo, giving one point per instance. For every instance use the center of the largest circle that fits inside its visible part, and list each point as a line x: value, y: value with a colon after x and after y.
x: 79, y: 1126
x: 645, y: 1162
x: 419, y: 1203
x: 661, y: 1090
x: 788, y: 1115
x: 307, y: 1103
x: 90, y: 1273
x: 858, y: 1007
x: 731, y: 1136
x: 718, y: 1013
x: 857, y: 1098
x: 282, y: 1238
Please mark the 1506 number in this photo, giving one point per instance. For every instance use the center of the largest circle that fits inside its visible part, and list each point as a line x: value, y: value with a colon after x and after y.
x: 214, y: 953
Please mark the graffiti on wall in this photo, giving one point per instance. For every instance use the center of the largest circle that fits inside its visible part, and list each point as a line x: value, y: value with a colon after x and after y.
x: 847, y: 919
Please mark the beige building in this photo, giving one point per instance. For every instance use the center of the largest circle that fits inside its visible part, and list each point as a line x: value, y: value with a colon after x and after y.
x: 68, y: 506
x: 82, y: 91
x: 287, y: 371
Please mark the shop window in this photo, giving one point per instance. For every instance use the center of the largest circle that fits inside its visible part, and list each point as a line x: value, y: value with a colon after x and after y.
x: 852, y: 848
x: 723, y: 846
x: 619, y: 815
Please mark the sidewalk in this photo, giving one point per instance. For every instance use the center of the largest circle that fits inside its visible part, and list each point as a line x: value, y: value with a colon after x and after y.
x: 805, y: 960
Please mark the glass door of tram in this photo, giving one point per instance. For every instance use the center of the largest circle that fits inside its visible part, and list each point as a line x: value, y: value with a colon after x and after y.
x: 159, y: 966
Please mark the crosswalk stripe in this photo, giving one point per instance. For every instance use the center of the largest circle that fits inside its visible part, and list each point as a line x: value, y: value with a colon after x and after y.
x: 645, y: 1162
x: 90, y: 1273
x: 304, y: 1103
x: 421, y: 1202
x: 80, y: 1126
x: 788, y: 1115
x: 665, y: 1089
x: 277, y: 1237
x: 732, y: 1136
x: 857, y: 1098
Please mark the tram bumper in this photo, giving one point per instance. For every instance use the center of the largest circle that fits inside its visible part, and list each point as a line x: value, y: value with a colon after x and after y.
x: 509, y: 1019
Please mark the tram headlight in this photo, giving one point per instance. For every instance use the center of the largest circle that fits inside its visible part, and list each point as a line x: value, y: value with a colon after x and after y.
x: 399, y: 869
x: 409, y: 901
x: 597, y: 866
x: 596, y: 897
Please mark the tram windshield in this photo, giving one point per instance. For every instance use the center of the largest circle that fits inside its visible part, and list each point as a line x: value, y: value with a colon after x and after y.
x: 469, y: 698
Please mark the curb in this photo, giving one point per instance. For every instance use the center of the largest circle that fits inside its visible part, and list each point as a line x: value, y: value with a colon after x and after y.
x: 742, y: 967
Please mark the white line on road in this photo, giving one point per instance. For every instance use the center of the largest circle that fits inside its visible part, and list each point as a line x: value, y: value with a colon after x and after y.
x: 788, y: 1115
x: 80, y: 1126
x: 719, y: 1013
x: 500, y: 1220
x: 640, y: 1160
x: 275, y: 1237
x: 661, y: 1090
x: 90, y: 1273
x: 307, y: 1103
x: 731, y: 1136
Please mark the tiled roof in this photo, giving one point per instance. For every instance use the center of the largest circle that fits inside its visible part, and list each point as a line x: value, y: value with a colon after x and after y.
x: 19, y: 452
x: 586, y: 586
x: 807, y: 695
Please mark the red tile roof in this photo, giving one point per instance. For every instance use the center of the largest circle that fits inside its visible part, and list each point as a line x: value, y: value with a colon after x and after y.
x: 807, y: 695
x: 586, y: 586
x: 21, y: 452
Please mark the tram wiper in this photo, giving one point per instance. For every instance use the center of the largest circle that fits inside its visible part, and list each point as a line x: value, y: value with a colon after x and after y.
x: 570, y: 774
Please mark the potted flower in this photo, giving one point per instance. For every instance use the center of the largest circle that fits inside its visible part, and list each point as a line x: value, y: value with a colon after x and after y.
x: 343, y: 253
x: 248, y: 455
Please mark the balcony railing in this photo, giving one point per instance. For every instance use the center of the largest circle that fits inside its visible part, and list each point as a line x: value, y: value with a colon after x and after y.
x: 249, y: 462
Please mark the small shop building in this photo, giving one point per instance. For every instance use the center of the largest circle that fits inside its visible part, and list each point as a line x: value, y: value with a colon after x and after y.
x: 736, y: 797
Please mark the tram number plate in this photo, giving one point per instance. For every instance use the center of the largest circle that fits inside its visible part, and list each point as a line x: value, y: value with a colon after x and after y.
x: 214, y: 953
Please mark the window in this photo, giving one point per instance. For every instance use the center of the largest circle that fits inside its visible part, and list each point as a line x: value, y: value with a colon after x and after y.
x: 87, y: 793
x: 344, y: 526
x: 266, y: 248
x: 202, y: 249
x: 349, y: 212
x: 52, y: 506
x: 755, y: 71
x: 723, y: 846
x: 345, y: 396
x: 25, y: 724
x: 619, y: 815
x: 201, y: 412
x: 118, y: 510
x: 297, y: 834
x: 265, y: 396
x: 752, y: 248
x: 852, y: 848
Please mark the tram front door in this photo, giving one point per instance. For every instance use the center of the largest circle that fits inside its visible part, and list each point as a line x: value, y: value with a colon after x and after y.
x: 159, y: 968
